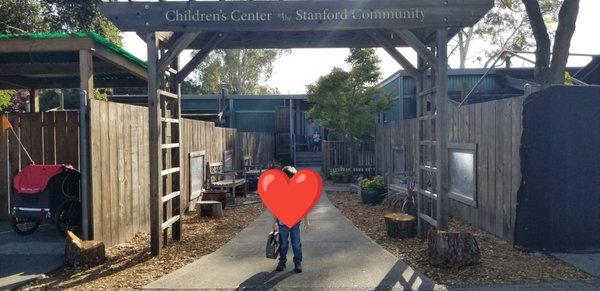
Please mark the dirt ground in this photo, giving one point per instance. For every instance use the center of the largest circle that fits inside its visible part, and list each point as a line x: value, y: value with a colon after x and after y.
x: 500, y: 262
x: 130, y: 265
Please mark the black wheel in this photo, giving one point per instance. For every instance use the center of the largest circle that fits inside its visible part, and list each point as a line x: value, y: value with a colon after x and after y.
x: 24, y: 226
x: 68, y: 216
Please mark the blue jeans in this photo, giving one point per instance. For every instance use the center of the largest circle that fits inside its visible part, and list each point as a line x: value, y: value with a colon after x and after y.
x: 294, y: 234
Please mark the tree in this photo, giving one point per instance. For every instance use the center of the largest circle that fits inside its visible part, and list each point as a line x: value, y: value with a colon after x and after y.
x: 504, y: 28
x: 347, y: 102
x: 42, y: 16
x: 550, y: 66
x: 81, y: 15
x: 23, y: 15
x: 244, y: 70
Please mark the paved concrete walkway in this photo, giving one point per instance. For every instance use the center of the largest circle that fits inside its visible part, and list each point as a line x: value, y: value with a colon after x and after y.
x: 336, y: 255
x: 24, y: 258
x: 589, y: 263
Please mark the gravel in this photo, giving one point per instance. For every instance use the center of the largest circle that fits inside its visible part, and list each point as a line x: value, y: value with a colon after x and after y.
x: 500, y: 262
x: 130, y: 265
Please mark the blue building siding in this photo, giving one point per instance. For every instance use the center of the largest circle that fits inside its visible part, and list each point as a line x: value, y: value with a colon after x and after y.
x: 460, y: 82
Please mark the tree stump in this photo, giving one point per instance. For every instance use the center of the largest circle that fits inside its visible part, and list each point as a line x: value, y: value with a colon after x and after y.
x: 80, y: 253
x: 212, y: 209
x: 215, y: 195
x: 452, y: 249
x: 400, y: 225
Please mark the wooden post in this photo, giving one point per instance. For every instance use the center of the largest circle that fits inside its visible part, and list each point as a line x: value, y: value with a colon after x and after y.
x: 420, y: 82
x: 441, y: 84
x: 154, y: 143
x: 86, y: 72
x: 34, y: 101
x: 177, y: 159
x: 86, y: 78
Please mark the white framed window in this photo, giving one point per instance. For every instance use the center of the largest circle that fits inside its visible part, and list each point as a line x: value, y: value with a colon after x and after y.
x: 462, y: 164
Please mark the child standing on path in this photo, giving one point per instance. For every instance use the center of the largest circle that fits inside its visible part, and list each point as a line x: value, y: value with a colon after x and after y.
x: 286, y: 234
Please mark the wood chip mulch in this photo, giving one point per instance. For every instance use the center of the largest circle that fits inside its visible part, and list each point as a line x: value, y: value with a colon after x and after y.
x: 500, y: 262
x: 130, y: 265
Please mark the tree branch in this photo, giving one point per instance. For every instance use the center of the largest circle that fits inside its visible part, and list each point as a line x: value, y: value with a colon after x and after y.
x: 567, y: 19
x: 542, y: 39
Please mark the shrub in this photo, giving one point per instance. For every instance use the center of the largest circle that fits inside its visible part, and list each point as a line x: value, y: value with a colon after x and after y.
x: 375, y: 183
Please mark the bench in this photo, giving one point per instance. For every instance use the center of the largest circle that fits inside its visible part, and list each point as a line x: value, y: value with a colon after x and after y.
x: 219, y: 179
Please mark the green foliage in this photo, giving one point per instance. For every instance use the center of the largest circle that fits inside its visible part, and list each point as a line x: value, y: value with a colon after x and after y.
x: 506, y: 26
x: 23, y: 15
x: 244, y: 70
x: 568, y: 79
x: 34, y: 16
x: 376, y: 183
x: 5, y: 99
x: 347, y: 102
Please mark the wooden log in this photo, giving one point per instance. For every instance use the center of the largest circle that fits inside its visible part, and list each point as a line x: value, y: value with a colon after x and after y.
x: 80, y: 253
x: 400, y: 225
x: 212, y: 209
x: 452, y: 249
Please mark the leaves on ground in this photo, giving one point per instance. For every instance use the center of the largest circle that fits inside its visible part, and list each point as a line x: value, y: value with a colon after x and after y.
x: 130, y: 265
x: 500, y: 262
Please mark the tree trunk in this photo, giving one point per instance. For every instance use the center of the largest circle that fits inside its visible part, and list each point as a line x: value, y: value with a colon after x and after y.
x: 450, y: 249
x: 400, y: 225
x: 551, y: 70
x: 567, y: 19
x: 212, y: 209
x: 83, y: 253
x: 542, y: 40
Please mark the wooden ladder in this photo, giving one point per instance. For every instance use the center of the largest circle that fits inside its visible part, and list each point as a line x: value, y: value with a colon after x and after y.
x: 165, y: 150
x: 427, y: 170
x: 432, y: 137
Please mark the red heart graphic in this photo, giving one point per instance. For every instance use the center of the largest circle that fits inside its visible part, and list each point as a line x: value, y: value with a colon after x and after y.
x: 290, y: 200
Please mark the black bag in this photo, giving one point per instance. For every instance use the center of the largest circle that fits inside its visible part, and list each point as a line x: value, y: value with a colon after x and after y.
x: 272, y: 250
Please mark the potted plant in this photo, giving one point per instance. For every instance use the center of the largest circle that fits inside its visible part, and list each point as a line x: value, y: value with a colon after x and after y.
x: 372, y: 190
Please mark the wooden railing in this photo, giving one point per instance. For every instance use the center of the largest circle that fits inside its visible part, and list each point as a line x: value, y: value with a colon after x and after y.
x: 340, y: 156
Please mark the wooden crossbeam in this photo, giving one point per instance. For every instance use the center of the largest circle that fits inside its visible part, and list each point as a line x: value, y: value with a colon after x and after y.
x: 171, y: 196
x: 414, y: 42
x: 394, y: 53
x: 199, y: 57
x: 178, y: 46
x: 170, y: 222
x: 53, y: 68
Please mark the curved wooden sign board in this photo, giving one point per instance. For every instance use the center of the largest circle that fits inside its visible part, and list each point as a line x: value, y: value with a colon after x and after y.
x: 332, y: 15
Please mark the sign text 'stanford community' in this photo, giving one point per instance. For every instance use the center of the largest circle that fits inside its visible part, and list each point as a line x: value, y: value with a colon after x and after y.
x: 191, y: 15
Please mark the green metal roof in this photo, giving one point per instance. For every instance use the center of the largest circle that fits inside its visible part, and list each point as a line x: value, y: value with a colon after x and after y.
x: 98, y: 39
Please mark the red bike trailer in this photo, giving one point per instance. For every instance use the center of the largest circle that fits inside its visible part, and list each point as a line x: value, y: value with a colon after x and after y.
x: 46, y: 193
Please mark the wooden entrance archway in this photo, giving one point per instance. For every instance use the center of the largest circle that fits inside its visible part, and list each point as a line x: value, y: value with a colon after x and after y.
x: 169, y: 27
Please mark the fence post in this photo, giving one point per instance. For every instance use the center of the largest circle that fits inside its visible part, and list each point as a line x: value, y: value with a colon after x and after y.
x: 84, y: 163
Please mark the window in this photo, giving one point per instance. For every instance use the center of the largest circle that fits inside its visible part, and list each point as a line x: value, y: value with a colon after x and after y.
x: 197, y: 174
x: 462, y: 163
x: 399, y: 165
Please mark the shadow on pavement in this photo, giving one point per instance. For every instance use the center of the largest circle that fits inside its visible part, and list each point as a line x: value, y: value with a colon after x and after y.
x: 264, y: 280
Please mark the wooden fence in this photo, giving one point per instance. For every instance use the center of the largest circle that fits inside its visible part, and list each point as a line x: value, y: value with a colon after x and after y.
x: 119, y: 164
x: 50, y: 138
x: 260, y: 146
x: 340, y: 155
x: 119, y: 185
x: 390, y: 135
x: 495, y: 128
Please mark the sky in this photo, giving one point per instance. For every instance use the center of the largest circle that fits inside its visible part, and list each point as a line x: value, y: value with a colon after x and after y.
x: 301, y: 67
